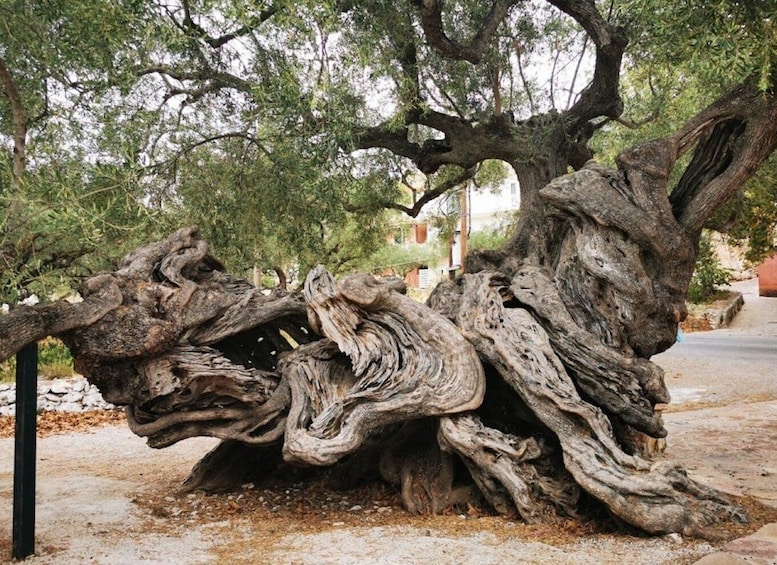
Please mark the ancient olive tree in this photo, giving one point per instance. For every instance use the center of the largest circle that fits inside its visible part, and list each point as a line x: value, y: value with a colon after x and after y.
x: 527, y: 381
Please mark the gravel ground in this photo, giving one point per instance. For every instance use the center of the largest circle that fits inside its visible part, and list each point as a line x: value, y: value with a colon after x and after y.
x: 104, y: 497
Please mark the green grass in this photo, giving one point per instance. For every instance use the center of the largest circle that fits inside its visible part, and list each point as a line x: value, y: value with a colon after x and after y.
x: 54, y: 362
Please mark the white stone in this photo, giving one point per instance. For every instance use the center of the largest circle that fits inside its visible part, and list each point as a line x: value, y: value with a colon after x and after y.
x: 71, y: 407
x: 7, y: 397
x: 8, y: 410
x: 92, y: 399
x: 72, y: 397
x: 60, y: 387
x: 79, y: 385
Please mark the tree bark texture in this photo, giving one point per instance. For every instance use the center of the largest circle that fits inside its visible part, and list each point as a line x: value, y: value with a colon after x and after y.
x: 526, y: 382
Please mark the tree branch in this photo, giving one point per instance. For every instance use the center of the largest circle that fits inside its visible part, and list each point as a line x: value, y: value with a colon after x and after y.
x: 601, y: 97
x: 19, y: 122
x: 194, y: 30
x: 218, y: 79
x: 471, y: 51
x: 735, y: 136
x: 436, y: 192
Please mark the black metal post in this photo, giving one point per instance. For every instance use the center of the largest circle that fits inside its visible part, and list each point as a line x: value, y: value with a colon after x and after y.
x: 24, y: 452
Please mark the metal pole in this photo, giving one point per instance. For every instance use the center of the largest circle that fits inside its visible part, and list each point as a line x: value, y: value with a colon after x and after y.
x: 24, y: 452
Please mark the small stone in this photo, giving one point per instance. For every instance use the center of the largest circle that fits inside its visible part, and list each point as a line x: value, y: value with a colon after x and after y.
x: 72, y: 396
x: 92, y: 399
x: 60, y: 387
x: 355, y: 508
x: 384, y: 509
x: 722, y: 558
x: 338, y: 523
x: 70, y: 407
x: 79, y: 385
x: 767, y: 532
x: 674, y: 538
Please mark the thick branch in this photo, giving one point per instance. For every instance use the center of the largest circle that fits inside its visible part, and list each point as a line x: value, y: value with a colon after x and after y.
x: 735, y: 151
x: 436, y: 192
x: 212, y: 79
x: 601, y: 97
x: 26, y: 324
x: 196, y: 391
x: 474, y: 49
x: 656, y: 498
x: 465, y: 143
x: 508, y: 470
x: 389, y: 359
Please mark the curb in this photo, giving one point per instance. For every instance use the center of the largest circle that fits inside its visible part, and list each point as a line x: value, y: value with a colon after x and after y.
x: 716, y: 315
x: 722, y: 318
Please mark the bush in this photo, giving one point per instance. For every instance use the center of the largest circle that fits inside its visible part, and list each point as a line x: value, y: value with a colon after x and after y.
x: 54, y: 362
x: 708, y: 275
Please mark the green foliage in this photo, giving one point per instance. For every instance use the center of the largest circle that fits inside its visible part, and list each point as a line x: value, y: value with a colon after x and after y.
x: 54, y: 359
x: 718, y: 42
x: 708, y: 275
x: 756, y: 215
x: 487, y: 239
x: 402, y: 258
x: 68, y: 223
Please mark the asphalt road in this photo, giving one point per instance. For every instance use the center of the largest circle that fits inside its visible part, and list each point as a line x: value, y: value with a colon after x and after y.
x: 729, y: 365
x: 728, y: 346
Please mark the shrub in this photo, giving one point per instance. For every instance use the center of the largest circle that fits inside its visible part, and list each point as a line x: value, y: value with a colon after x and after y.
x: 708, y: 275
x: 54, y: 362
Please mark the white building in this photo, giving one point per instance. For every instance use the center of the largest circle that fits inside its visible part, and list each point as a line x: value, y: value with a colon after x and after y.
x: 477, y: 210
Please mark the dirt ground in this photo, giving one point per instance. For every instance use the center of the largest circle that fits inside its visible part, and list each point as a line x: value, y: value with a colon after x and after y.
x: 103, y: 496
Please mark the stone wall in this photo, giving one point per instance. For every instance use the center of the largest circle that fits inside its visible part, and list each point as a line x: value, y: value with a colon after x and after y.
x: 61, y: 395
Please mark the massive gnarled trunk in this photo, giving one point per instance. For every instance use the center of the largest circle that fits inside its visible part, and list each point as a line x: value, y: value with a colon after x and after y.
x: 526, y: 382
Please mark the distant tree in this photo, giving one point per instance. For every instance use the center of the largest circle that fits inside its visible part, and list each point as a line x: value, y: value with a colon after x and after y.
x: 70, y: 181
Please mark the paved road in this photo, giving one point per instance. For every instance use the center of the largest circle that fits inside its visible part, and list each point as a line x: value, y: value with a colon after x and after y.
x: 730, y: 445
x: 734, y: 364
x: 731, y: 346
